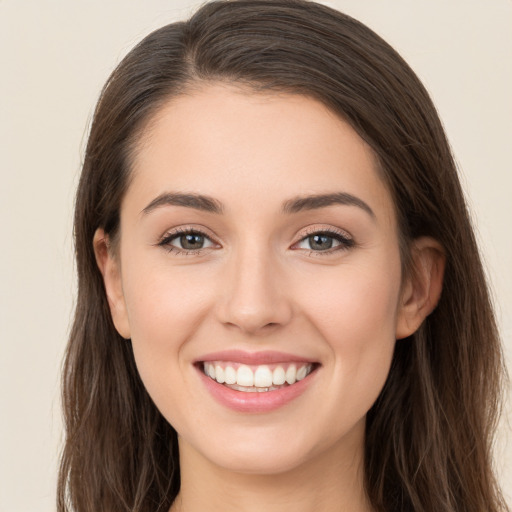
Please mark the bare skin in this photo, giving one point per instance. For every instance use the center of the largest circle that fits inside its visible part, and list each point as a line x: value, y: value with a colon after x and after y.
x: 340, y: 488
x: 254, y: 269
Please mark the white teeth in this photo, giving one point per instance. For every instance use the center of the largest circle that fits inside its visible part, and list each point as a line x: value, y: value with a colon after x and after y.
x: 229, y: 375
x: 252, y: 389
x: 291, y: 374
x: 263, y: 377
x: 279, y: 376
x: 244, y: 376
x: 302, y: 372
x: 219, y: 374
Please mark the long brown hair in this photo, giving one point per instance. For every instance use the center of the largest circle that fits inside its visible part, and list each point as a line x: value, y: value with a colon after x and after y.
x: 429, y: 434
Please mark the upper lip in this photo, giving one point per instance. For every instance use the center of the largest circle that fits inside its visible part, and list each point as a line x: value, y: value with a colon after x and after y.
x: 253, y: 358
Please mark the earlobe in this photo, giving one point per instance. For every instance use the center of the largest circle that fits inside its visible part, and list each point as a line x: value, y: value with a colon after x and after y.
x: 421, y: 290
x: 110, y: 270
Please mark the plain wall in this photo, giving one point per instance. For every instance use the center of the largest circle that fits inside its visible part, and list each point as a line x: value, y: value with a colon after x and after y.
x: 56, y: 55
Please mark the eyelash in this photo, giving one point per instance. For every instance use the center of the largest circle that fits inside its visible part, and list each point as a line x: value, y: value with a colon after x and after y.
x: 345, y: 242
x: 179, y: 232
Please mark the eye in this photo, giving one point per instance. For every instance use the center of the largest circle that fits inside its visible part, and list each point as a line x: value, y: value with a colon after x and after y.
x: 324, y: 241
x: 186, y: 241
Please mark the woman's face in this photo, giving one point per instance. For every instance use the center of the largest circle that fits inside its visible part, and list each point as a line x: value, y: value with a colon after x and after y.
x: 258, y: 238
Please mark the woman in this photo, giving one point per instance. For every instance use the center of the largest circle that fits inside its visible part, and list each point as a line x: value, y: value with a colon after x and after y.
x: 281, y: 302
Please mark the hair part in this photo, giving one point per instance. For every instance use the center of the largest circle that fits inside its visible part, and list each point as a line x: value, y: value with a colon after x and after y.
x: 429, y: 435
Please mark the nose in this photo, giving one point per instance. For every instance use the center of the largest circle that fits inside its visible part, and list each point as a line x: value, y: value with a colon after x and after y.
x: 253, y: 295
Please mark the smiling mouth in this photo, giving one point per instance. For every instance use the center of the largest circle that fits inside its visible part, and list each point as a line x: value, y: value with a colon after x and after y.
x: 256, y: 378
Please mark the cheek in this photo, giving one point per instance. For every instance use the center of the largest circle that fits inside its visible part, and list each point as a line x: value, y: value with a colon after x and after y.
x: 164, y: 313
x: 357, y: 319
x: 357, y: 303
x: 164, y: 310
x: 161, y: 299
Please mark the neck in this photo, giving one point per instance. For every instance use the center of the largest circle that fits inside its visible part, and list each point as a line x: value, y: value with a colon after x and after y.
x: 330, y: 482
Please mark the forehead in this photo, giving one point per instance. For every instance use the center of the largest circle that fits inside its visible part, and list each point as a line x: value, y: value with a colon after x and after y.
x: 240, y: 146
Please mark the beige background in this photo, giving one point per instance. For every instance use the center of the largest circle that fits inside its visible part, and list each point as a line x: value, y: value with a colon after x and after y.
x: 56, y: 54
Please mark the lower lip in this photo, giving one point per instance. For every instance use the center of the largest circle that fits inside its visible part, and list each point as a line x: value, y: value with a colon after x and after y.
x: 255, y: 402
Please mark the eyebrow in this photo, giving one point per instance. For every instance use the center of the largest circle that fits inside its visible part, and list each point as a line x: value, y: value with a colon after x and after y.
x: 294, y: 205
x: 196, y: 201
x: 317, y: 201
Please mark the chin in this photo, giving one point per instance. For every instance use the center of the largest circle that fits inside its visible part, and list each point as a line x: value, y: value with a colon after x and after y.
x: 252, y: 460
x: 273, y: 451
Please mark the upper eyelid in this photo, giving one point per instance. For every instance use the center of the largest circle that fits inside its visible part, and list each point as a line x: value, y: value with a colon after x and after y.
x: 345, y: 239
x: 180, y: 230
x: 174, y: 233
x: 312, y: 230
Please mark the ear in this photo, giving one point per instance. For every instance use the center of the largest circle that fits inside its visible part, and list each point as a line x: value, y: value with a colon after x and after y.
x: 421, y: 290
x: 110, y: 270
